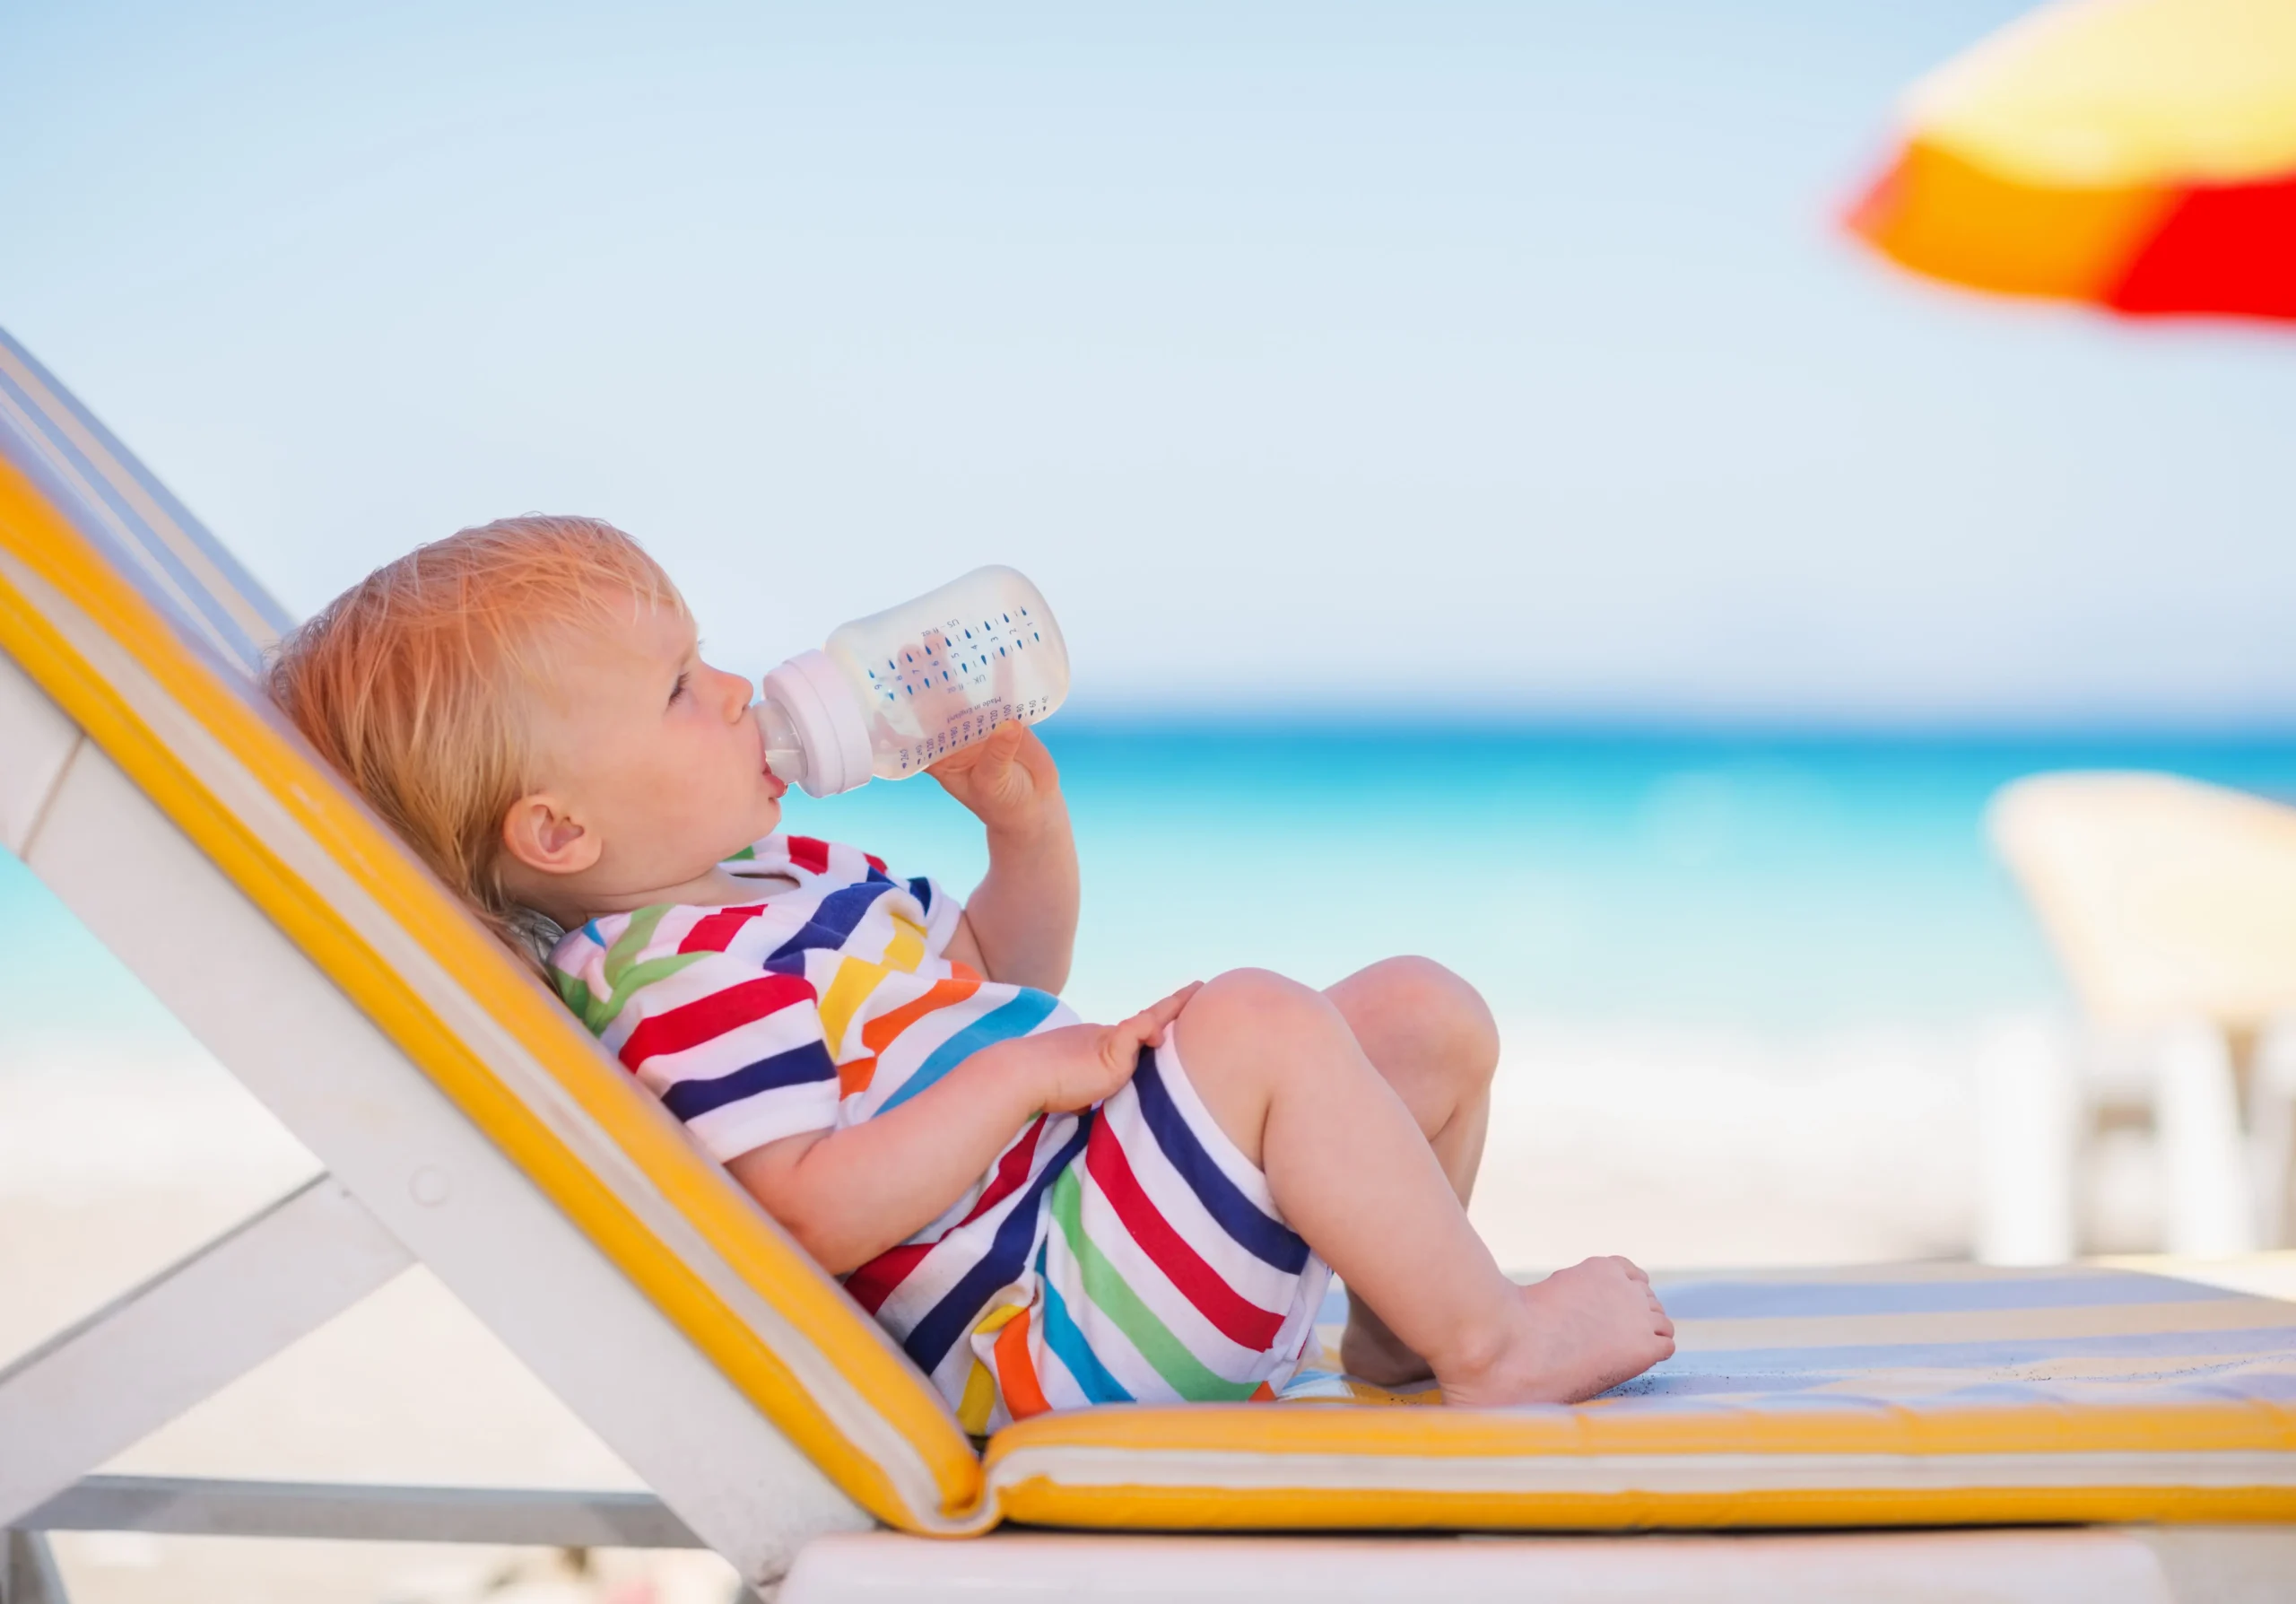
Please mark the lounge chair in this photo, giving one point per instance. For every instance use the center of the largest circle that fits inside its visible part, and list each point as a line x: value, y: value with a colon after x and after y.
x: 2171, y: 907
x: 467, y: 1121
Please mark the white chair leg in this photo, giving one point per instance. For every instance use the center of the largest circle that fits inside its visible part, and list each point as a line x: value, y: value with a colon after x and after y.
x: 2029, y: 1132
x: 2272, y: 1130
x: 128, y: 1369
x: 2204, y: 1156
x: 28, y: 1573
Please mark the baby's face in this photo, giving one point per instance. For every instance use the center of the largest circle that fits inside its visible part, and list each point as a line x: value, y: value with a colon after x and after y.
x: 653, y: 750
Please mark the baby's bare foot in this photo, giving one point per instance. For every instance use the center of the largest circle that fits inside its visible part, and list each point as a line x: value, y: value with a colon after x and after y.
x: 1371, y: 1352
x: 1583, y: 1330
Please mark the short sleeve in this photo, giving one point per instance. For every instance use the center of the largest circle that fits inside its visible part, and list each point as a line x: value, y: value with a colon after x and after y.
x: 737, y: 1054
x: 855, y: 866
x: 941, y: 912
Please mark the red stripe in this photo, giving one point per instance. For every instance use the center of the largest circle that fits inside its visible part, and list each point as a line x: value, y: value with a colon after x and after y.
x: 874, y: 861
x: 1011, y: 1171
x: 875, y: 1281
x: 808, y: 854
x: 705, y: 1018
x: 1239, y: 1319
x: 2227, y: 248
x: 714, y: 932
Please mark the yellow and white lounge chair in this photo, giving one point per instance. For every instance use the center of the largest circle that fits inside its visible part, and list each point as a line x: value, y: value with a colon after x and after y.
x: 467, y: 1121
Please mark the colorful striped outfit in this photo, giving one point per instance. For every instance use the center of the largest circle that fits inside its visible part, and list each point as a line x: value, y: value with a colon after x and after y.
x: 1130, y: 1252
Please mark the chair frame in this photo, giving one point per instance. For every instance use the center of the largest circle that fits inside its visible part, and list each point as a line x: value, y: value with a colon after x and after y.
x: 407, y: 1178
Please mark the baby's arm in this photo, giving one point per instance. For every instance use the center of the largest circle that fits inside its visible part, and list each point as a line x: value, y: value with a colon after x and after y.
x: 1020, y: 926
x: 848, y: 1195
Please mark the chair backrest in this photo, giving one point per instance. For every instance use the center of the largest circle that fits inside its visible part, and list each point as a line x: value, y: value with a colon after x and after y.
x: 2164, y: 898
x: 144, y: 629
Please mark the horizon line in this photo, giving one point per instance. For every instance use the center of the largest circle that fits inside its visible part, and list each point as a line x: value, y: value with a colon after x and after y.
x: 1388, y: 722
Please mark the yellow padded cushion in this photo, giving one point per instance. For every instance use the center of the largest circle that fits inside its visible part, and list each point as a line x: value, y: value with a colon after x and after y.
x: 1897, y: 1395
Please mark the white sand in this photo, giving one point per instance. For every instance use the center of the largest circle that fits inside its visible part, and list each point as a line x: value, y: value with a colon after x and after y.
x: 1680, y: 1148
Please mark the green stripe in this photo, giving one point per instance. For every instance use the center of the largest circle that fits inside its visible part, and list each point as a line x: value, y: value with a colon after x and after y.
x: 746, y: 855
x: 636, y: 979
x: 1182, y: 1371
x: 576, y: 991
x: 626, y: 974
x: 631, y: 942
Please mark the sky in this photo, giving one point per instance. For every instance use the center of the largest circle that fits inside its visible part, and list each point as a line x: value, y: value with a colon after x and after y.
x: 1445, y: 360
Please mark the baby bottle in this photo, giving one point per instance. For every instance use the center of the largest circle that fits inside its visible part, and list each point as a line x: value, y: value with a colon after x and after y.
x: 888, y: 694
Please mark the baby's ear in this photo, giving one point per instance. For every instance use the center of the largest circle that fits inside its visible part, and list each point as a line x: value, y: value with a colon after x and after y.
x: 541, y: 833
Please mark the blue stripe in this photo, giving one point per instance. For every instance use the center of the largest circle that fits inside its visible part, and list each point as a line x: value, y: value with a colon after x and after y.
x: 147, y: 541
x: 200, y: 536
x: 928, y: 1340
x: 1846, y: 1361
x: 1018, y: 1017
x: 1265, y: 1238
x: 690, y: 1099
x: 1819, y: 1389
x: 833, y: 921
x: 921, y: 889
x: 1062, y: 1337
x: 1773, y: 1300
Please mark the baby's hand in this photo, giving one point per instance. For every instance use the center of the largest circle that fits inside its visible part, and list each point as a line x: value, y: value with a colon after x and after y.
x: 1083, y: 1064
x: 1004, y: 779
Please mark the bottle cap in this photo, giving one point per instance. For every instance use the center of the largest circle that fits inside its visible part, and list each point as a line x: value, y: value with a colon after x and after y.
x: 820, y: 733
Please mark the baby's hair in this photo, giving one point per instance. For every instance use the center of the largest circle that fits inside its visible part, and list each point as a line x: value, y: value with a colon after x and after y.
x: 413, y: 684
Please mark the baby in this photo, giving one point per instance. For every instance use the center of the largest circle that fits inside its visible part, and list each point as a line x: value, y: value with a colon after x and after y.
x: 1044, y: 1212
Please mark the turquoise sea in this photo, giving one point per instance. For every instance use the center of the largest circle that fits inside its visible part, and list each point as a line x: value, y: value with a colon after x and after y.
x: 1774, y: 882
x: 1781, y: 883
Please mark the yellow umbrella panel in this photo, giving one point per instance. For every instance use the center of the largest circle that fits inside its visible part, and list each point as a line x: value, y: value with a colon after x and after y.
x: 2136, y: 154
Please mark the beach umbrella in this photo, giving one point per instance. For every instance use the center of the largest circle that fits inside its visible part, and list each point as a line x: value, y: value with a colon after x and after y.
x: 2136, y: 154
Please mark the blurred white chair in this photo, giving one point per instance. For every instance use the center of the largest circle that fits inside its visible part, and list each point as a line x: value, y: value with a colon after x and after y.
x: 2172, y: 906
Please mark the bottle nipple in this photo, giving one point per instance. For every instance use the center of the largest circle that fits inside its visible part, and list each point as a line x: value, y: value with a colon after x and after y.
x: 784, y: 752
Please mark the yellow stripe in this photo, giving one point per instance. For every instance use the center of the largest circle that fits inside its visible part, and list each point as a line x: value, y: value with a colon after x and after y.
x: 39, y: 538
x: 1897, y: 1426
x: 1041, y: 1501
x: 998, y: 1319
x: 906, y: 950
x: 154, y: 572
x: 177, y: 540
x: 979, y: 1398
x: 856, y: 979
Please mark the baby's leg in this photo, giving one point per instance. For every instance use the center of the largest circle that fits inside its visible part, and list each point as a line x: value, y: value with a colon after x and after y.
x: 1431, y: 1038
x: 1280, y: 1071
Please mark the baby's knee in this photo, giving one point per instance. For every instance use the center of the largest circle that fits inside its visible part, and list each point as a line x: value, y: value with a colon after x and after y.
x: 1249, y: 1038
x: 1446, y: 1013
x: 1257, y: 1000
x: 1253, y: 1022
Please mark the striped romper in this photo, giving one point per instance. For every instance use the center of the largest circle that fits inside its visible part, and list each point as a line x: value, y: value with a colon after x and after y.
x: 1128, y: 1252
